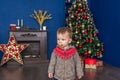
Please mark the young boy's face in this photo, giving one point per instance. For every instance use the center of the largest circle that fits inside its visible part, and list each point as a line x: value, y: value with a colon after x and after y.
x: 63, y: 40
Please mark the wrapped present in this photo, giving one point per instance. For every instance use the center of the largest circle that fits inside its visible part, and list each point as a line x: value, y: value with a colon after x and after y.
x: 99, y: 63
x: 90, y: 63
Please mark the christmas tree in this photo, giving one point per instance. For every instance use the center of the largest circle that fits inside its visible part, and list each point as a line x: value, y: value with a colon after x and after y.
x: 81, y: 23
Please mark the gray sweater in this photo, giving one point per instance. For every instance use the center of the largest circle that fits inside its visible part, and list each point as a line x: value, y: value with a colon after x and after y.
x: 65, y: 68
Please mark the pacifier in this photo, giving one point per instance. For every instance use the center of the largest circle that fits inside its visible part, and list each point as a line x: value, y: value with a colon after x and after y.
x: 60, y: 44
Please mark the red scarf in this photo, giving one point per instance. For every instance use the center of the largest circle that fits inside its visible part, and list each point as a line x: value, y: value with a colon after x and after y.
x: 65, y: 54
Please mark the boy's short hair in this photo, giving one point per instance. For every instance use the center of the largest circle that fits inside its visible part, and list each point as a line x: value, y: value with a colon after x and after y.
x: 63, y: 30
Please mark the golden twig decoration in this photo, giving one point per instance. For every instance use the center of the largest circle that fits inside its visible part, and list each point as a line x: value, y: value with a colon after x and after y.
x: 41, y: 17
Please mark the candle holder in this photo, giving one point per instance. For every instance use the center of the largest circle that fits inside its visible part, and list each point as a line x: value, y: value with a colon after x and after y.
x: 12, y: 26
x: 19, y: 24
x: 44, y: 27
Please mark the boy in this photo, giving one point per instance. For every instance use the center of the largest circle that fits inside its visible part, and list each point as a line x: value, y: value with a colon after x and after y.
x: 65, y: 62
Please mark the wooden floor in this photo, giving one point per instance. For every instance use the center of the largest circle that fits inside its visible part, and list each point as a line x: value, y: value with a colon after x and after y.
x: 39, y: 72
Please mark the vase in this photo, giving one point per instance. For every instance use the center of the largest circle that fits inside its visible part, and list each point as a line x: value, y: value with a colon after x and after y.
x: 40, y: 28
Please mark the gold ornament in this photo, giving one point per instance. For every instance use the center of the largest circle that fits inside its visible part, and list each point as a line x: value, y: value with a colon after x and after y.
x: 76, y: 32
x: 89, y: 51
x: 70, y: 24
x: 83, y: 26
x: 79, y: 4
x: 101, y: 55
x: 40, y: 17
x: 85, y: 0
x: 72, y: 16
x: 78, y: 42
x: 83, y: 31
x: 98, y: 44
x: 74, y: 6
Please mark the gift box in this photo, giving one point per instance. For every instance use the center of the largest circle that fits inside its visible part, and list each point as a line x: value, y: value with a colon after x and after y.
x: 90, y: 63
x: 99, y: 63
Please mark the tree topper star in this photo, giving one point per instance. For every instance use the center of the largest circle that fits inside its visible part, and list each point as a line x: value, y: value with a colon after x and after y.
x: 12, y: 50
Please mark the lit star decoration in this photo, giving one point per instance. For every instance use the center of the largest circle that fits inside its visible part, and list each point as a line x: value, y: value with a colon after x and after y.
x: 12, y: 50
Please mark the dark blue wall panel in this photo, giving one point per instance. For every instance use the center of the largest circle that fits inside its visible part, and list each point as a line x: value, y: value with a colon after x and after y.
x: 105, y: 14
x: 11, y: 10
x: 107, y: 19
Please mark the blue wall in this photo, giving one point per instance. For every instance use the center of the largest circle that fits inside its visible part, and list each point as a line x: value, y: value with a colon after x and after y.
x: 105, y: 14
x: 11, y: 10
x: 107, y: 19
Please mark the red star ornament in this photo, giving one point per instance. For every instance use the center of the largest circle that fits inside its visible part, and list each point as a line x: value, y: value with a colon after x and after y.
x: 12, y: 50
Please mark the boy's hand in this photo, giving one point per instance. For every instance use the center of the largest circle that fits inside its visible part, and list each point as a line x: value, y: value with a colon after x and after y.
x: 79, y: 77
x: 50, y: 75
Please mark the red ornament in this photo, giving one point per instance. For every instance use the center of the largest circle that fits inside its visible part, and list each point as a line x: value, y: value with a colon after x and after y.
x: 85, y: 32
x: 86, y: 7
x: 97, y: 54
x: 80, y: 46
x: 86, y: 53
x: 85, y: 17
x: 80, y: 36
x: 76, y: 14
x: 96, y: 32
x: 78, y: 9
x: 78, y: 31
x: 88, y: 29
x: 91, y: 35
x: 77, y: 19
x: 69, y: 11
x: 91, y: 40
x: 102, y: 49
x: 87, y: 40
